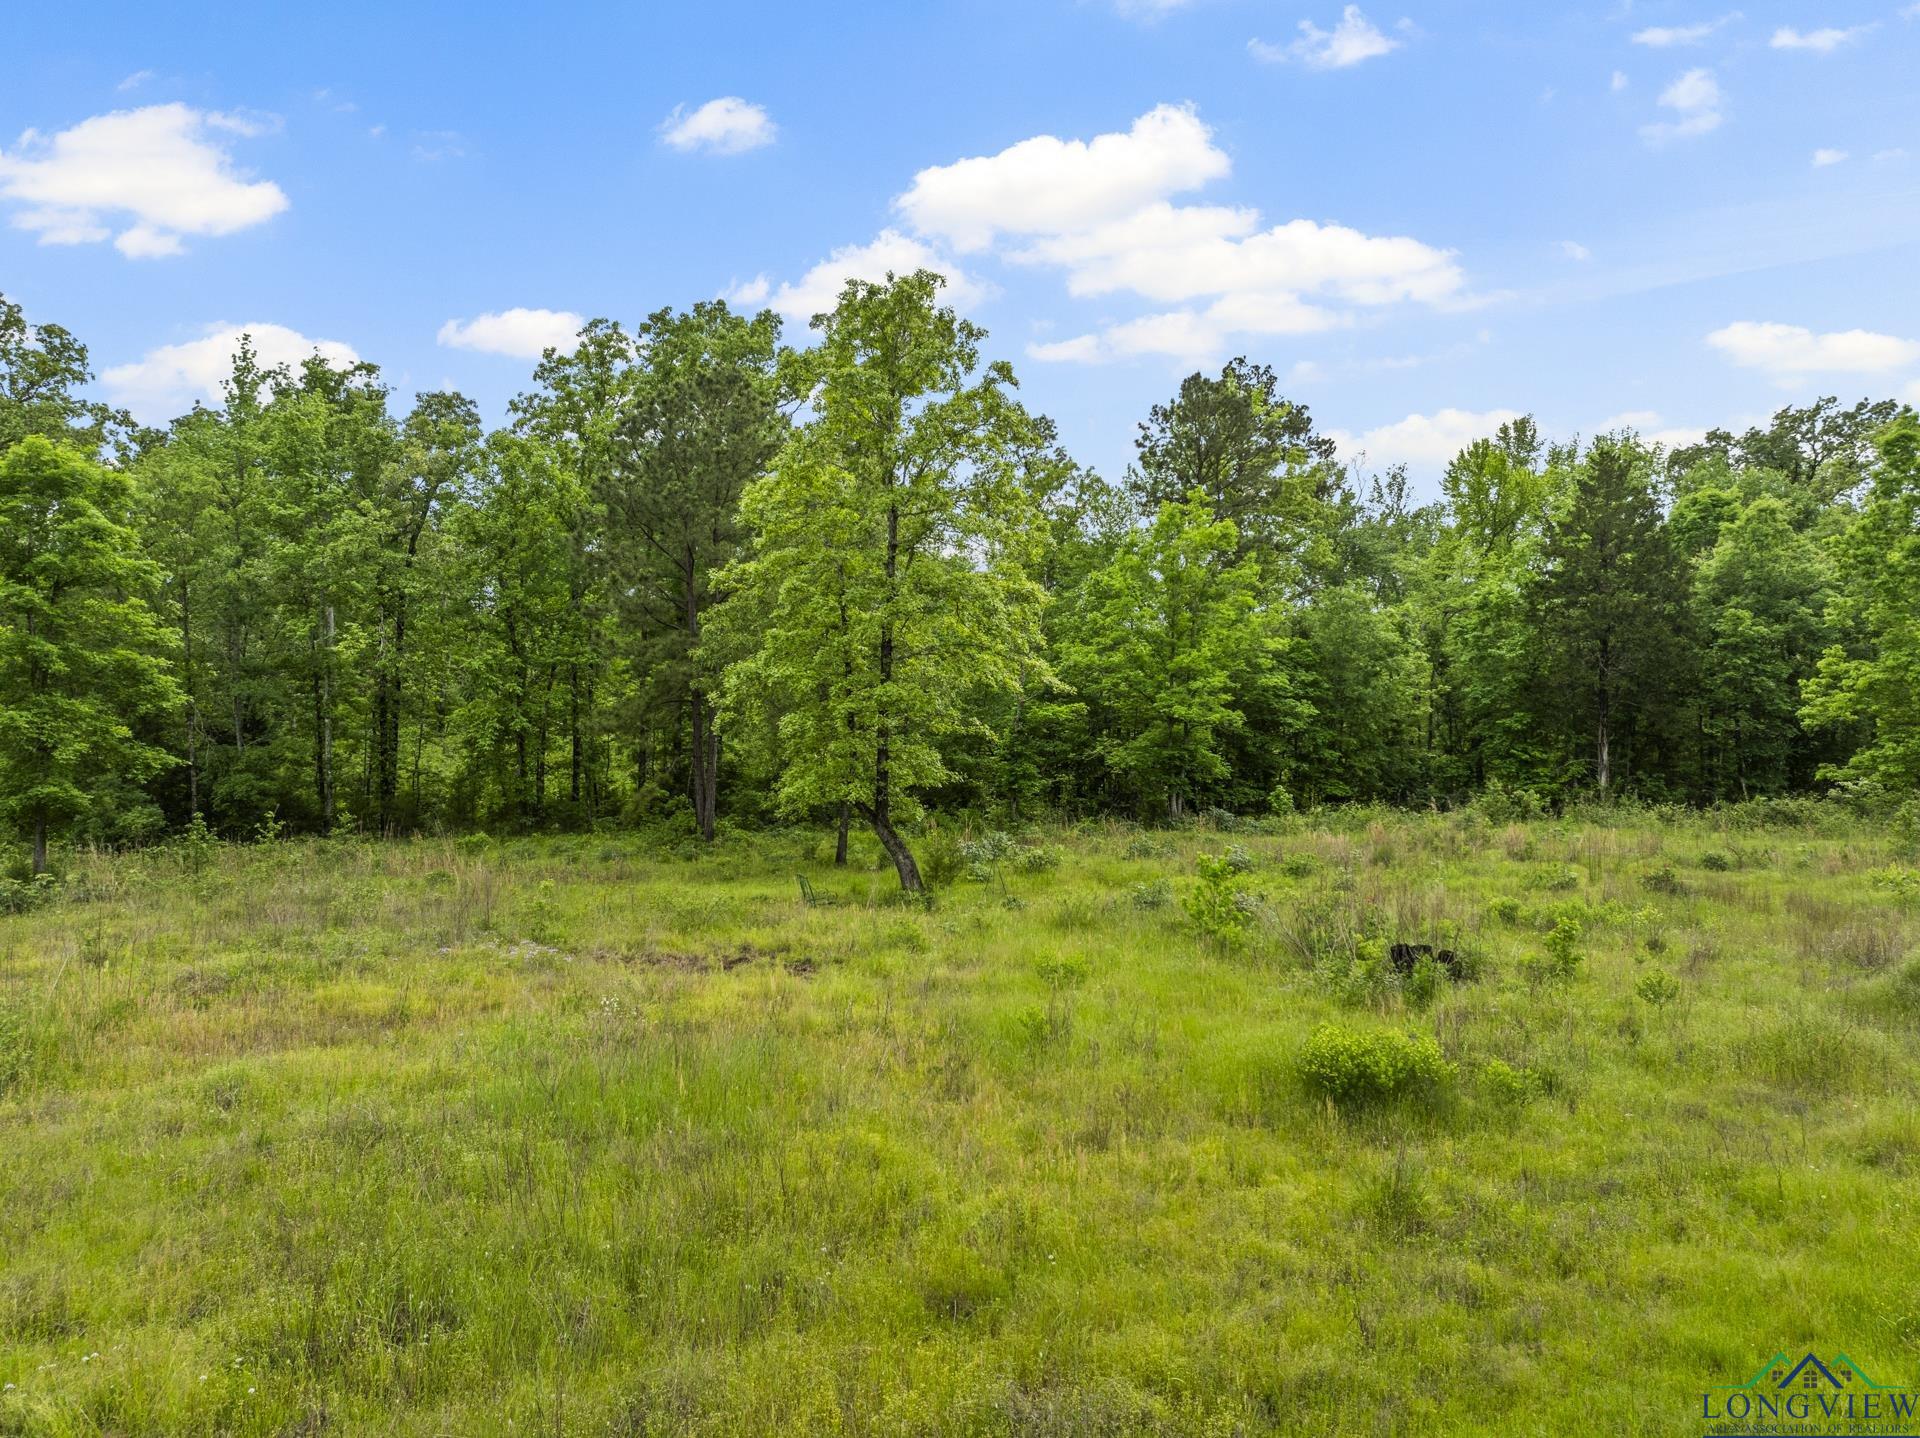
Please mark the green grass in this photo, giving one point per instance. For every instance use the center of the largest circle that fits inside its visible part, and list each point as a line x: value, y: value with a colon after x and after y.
x: 578, y: 1137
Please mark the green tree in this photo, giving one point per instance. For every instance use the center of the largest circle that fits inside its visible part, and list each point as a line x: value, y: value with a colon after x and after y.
x: 1251, y: 452
x: 1757, y: 597
x: 1607, y: 606
x: 42, y: 370
x: 889, y: 579
x: 701, y: 417
x: 1872, y: 681
x: 79, y: 649
x: 1160, y: 643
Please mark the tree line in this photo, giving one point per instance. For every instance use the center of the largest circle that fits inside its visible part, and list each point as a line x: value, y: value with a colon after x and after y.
x: 704, y: 574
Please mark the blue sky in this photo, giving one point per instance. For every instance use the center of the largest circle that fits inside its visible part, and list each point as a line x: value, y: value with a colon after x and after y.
x: 1424, y: 217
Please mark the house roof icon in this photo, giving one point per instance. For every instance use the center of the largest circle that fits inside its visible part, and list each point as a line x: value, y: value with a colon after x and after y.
x: 1810, y: 1371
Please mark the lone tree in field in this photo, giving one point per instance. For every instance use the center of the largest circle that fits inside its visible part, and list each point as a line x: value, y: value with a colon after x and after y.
x: 888, y: 584
x: 78, y: 647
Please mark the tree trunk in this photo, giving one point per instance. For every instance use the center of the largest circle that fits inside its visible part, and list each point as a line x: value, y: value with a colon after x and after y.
x: 40, y: 844
x: 840, y: 842
x: 896, y: 847
x: 1602, y: 754
x: 705, y: 767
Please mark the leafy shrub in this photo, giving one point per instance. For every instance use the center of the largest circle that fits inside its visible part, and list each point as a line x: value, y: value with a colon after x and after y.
x: 1300, y: 866
x: 1239, y: 860
x: 1155, y: 894
x: 1507, y: 1086
x: 1662, y: 880
x: 941, y: 861
x: 478, y: 842
x: 1498, y: 804
x: 1716, y: 861
x: 1146, y: 846
x: 1561, y: 961
x: 1062, y: 971
x: 1556, y: 881
x: 1657, y: 987
x: 1421, y: 984
x: 1901, y: 886
x: 18, y: 896
x: 1353, y: 1067
x: 1280, y: 802
x: 1503, y: 909
x: 1037, y: 858
x: 1215, y: 903
x: 1358, y: 977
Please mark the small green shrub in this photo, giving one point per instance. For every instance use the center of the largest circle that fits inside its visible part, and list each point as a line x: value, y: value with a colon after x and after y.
x: 1353, y: 1067
x: 1657, y: 987
x: 1503, y: 909
x: 941, y: 862
x: 1280, y: 802
x: 1300, y: 866
x: 1037, y: 858
x: 1562, y: 880
x: 1062, y: 971
x: 1901, y: 886
x: 1507, y: 1086
x: 1153, y: 894
x: 1716, y: 861
x: 1215, y: 903
x: 1146, y: 846
x: 1422, y: 984
x: 1663, y: 880
x: 1240, y: 860
x: 1561, y: 959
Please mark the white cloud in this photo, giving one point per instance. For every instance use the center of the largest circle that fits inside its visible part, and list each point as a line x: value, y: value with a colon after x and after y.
x: 1695, y: 98
x: 890, y: 253
x: 162, y: 167
x: 1823, y: 157
x: 522, y: 333
x: 1423, y: 440
x: 1661, y: 37
x: 1352, y: 39
x: 1652, y: 428
x: 1049, y: 185
x: 1619, y: 81
x: 1888, y: 157
x: 1081, y: 349
x: 1574, y: 250
x: 1823, y: 42
x: 165, y: 381
x: 1101, y: 212
x: 726, y: 126
x: 134, y: 81
x: 1789, y: 351
x: 747, y: 292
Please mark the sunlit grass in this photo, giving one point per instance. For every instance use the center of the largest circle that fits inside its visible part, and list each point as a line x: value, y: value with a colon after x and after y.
x: 573, y: 1136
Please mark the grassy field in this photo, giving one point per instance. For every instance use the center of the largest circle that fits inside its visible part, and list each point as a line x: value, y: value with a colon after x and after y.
x: 590, y: 1137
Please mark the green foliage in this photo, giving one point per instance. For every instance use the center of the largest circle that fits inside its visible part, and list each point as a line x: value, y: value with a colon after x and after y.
x: 1508, y: 1087
x: 80, y: 666
x: 1657, y: 987
x: 1216, y: 903
x: 1357, y: 1067
x: 1504, y: 909
x: 1559, y: 962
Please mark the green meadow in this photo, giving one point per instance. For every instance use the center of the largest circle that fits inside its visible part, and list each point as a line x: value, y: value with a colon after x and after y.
x: 1126, y: 1133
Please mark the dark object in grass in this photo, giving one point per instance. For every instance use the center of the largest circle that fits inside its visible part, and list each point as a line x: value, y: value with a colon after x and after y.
x: 1405, y: 956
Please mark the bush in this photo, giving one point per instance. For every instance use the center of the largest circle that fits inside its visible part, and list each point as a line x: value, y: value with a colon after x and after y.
x: 1154, y: 895
x: 17, y: 896
x: 1299, y: 866
x: 1239, y: 860
x: 1663, y: 881
x: 1498, y: 804
x: 1351, y: 1067
x: 1421, y: 984
x: 1216, y: 903
x: 1556, y: 881
x: 1037, y: 859
x: 1503, y: 910
x: 1146, y: 846
x: 1716, y: 861
x: 941, y: 862
x: 1507, y: 1086
x: 1657, y: 987
x: 1280, y: 802
x: 1561, y: 961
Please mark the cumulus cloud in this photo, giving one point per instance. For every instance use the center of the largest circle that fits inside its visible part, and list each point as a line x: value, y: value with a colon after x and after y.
x: 165, y: 381
x: 726, y: 126
x: 1789, y: 351
x: 1823, y: 157
x: 891, y: 252
x: 1425, y: 441
x: 157, y: 174
x: 1662, y: 37
x: 748, y: 292
x: 1574, y: 250
x: 1821, y: 42
x: 1047, y: 184
x: 1652, y: 427
x: 1352, y: 39
x: 522, y: 333
x: 1695, y: 100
